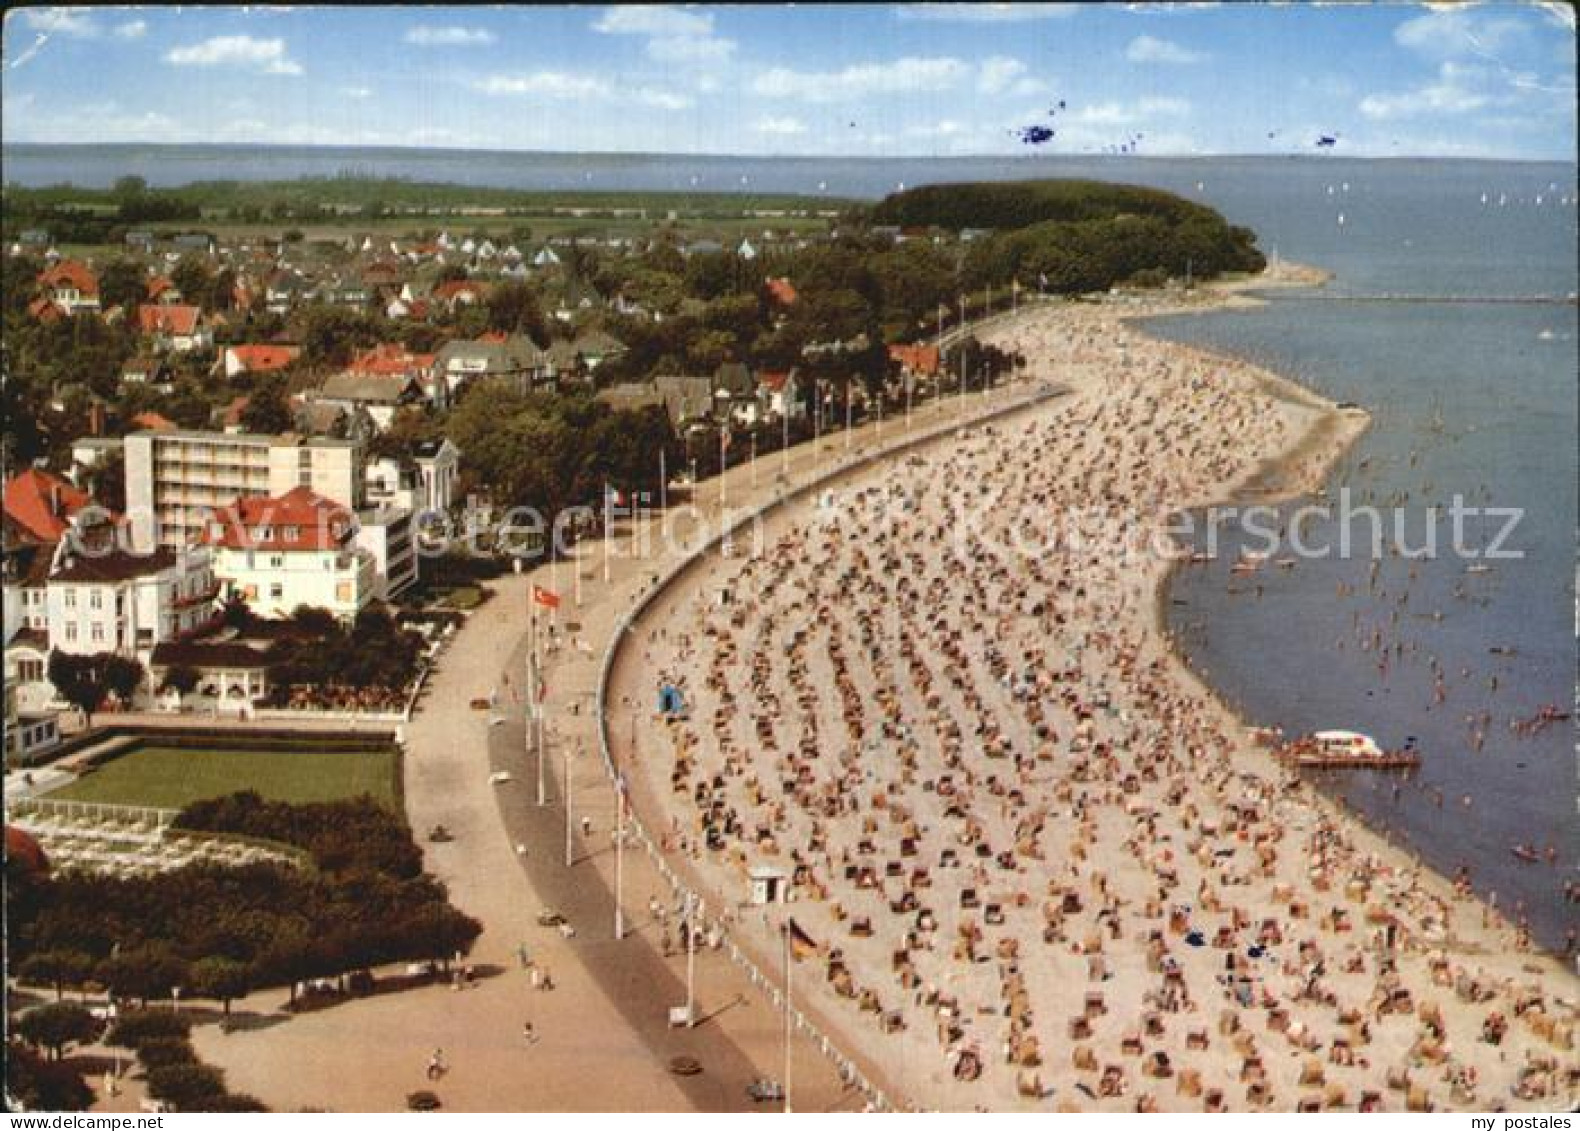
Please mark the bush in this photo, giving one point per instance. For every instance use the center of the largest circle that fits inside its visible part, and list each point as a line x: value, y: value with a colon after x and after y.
x: 227, y: 1101
x: 132, y: 1029
x: 185, y: 1084
x: 160, y: 1052
x: 423, y: 1101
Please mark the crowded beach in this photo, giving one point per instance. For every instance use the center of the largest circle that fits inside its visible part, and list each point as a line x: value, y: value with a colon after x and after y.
x: 1032, y: 862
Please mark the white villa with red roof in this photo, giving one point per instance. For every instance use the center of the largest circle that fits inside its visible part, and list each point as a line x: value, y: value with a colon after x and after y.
x: 295, y: 549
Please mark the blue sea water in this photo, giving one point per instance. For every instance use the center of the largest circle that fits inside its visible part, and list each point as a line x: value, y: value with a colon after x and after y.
x: 1471, y: 399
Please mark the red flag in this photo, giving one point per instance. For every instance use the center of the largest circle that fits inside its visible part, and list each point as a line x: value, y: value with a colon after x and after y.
x: 546, y: 598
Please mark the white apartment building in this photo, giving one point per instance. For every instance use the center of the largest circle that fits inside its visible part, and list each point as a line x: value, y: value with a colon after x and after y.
x: 299, y: 549
x: 426, y: 484
x: 175, y: 480
x: 117, y: 601
x: 386, y: 534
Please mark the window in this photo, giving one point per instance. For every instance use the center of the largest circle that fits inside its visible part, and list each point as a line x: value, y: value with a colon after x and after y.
x: 95, y: 599
x: 30, y: 671
x: 276, y: 591
x: 71, y: 631
x: 97, y: 633
x: 276, y: 561
x: 71, y: 598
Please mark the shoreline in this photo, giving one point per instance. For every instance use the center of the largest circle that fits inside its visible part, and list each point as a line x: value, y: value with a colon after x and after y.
x: 1299, y: 465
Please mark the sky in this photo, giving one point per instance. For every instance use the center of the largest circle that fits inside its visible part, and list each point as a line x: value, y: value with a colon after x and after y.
x: 1483, y: 80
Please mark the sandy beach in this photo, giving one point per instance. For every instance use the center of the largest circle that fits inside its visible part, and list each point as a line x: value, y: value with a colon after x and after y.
x: 1038, y: 864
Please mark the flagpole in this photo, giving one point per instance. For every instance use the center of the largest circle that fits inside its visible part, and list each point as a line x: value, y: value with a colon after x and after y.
x: 608, y: 522
x: 537, y: 701
x: 787, y: 1015
x: 530, y: 691
x: 847, y: 413
x: 570, y: 853
x: 691, y: 960
x: 619, y: 856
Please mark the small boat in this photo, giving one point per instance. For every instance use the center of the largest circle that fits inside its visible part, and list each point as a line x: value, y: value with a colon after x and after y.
x: 1284, y: 563
x: 1478, y: 569
x: 1526, y: 853
x: 1338, y: 748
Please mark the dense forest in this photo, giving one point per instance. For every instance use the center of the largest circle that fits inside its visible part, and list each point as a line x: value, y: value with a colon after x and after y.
x: 1079, y: 236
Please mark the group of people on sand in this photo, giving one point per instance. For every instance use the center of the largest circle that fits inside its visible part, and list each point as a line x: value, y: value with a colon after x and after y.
x: 1037, y: 863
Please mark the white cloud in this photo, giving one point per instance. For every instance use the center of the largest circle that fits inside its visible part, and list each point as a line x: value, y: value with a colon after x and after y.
x: 975, y: 13
x: 663, y: 99
x: 690, y: 49
x: 674, y: 35
x: 131, y: 29
x: 1127, y: 113
x: 998, y: 72
x: 653, y: 20
x: 546, y: 84
x: 782, y: 127
x: 1452, y: 33
x: 62, y: 21
x: 425, y: 36
x: 1458, y: 89
x: 265, y: 55
x: 1151, y: 49
x: 902, y: 76
x: 946, y: 128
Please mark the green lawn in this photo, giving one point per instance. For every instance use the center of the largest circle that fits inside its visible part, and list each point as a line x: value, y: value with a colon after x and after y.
x: 171, y: 778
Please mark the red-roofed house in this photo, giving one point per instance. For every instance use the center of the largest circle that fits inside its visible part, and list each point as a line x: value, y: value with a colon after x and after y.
x: 177, y: 328
x: 43, y: 504
x: 779, y: 394
x: 263, y: 357
x: 71, y: 285
x: 153, y: 422
x: 916, y: 360
x: 163, y: 291
x: 458, y: 292
x: 782, y: 292
x: 296, y: 549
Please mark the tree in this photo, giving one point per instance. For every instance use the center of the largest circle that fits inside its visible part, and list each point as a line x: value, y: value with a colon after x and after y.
x: 40, y: 1085
x: 185, y: 1085
x: 80, y: 681
x: 57, y: 968
x: 268, y: 411
x: 122, y: 675
x: 150, y: 971
x: 221, y: 979
x: 134, y: 1027
x: 122, y: 283
x: 107, y: 481
x: 192, y: 278
x: 129, y: 187
x: 182, y: 679
x: 513, y: 308
x: 56, y: 1025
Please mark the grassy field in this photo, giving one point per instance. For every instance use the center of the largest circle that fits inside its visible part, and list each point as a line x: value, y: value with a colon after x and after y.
x: 171, y: 778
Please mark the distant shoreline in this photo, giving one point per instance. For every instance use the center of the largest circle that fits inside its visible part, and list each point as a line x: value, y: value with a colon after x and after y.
x: 1030, y: 155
